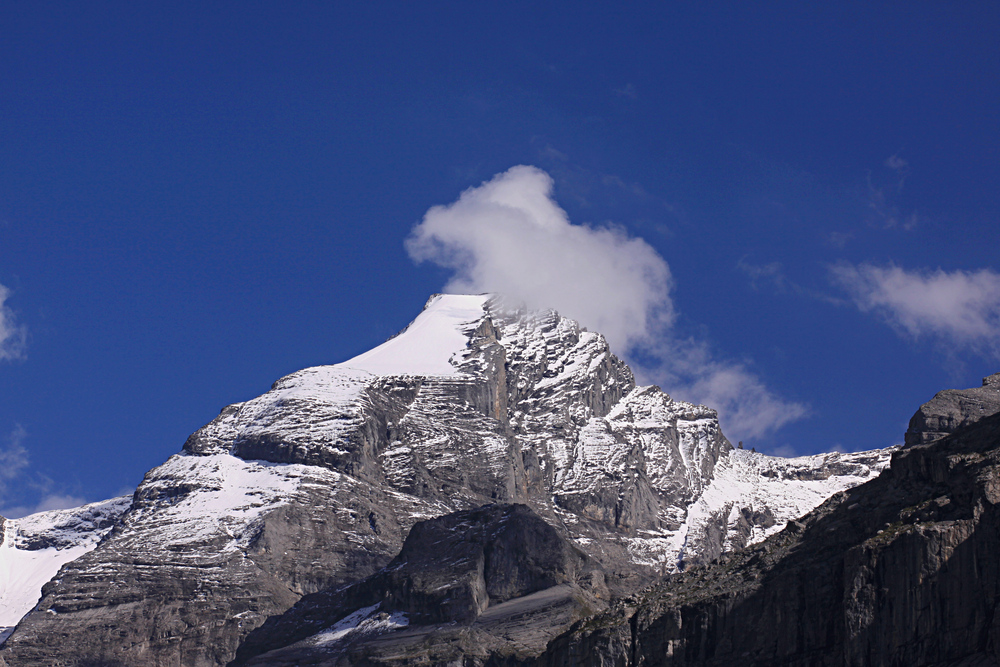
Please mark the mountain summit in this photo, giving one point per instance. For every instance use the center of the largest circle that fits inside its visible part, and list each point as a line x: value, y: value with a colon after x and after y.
x: 314, y: 485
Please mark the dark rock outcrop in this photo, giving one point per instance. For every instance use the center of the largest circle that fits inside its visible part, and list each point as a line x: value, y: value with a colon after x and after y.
x: 902, y: 570
x: 952, y: 409
x: 451, y: 570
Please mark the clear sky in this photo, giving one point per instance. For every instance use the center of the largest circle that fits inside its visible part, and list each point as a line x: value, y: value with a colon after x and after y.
x: 791, y: 209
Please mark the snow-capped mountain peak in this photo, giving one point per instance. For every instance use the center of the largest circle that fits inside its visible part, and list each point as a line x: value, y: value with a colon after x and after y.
x: 315, y: 483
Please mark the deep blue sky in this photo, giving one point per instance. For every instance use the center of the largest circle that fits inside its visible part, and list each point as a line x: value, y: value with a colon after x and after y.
x: 196, y: 199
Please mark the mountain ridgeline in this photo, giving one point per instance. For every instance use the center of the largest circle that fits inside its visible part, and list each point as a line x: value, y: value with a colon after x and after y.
x: 489, y: 487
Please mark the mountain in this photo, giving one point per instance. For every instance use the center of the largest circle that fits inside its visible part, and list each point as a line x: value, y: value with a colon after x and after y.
x: 315, y: 485
x: 901, y: 570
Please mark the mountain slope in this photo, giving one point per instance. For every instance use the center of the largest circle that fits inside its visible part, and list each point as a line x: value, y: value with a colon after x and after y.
x: 316, y: 483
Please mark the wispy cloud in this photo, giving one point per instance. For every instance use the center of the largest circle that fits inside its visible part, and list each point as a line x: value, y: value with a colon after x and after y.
x: 49, y: 502
x: 628, y: 90
x: 15, y: 478
x: 13, y: 459
x: 771, y: 273
x: 509, y: 236
x: 884, y: 194
x: 13, y: 456
x: 961, y: 308
x: 772, y: 276
x: 839, y: 240
x: 689, y: 369
x: 13, y: 336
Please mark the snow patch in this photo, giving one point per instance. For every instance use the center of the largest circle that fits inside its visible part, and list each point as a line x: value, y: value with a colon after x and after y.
x: 433, y: 344
x: 364, y: 621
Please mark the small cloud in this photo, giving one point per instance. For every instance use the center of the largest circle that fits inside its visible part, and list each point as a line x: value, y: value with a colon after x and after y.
x: 14, y: 473
x: 13, y: 457
x: 784, y: 451
x: 688, y: 369
x: 885, y: 195
x: 553, y: 153
x: 13, y: 461
x: 839, y: 240
x: 897, y: 164
x: 631, y: 188
x: 13, y: 336
x: 628, y: 90
x: 58, y: 502
x: 771, y: 273
x: 961, y: 308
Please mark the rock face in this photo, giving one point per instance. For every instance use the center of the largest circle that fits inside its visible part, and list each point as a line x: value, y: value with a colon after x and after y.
x: 899, y: 571
x: 952, y: 409
x: 450, y: 572
x: 316, y: 483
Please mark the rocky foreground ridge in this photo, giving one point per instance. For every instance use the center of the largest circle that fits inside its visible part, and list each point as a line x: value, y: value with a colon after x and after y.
x: 952, y: 409
x: 316, y: 484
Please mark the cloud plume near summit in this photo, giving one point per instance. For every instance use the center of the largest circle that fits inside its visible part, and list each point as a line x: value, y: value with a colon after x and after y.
x: 509, y: 236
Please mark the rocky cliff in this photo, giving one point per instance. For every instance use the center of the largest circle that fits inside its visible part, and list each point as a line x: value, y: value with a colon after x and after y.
x: 899, y: 571
x: 316, y: 483
x: 952, y: 409
x: 493, y: 583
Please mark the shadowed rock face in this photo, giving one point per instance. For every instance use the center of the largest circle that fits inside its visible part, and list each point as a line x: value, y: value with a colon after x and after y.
x: 952, y: 409
x: 450, y: 571
x: 902, y: 570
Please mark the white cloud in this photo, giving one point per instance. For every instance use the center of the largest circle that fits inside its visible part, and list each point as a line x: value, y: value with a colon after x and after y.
x: 49, y: 502
x: 13, y: 457
x: 13, y: 460
x: 57, y: 501
x: 687, y: 369
x: 959, y: 308
x: 13, y: 468
x: 13, y: 337
x: 509, y: 236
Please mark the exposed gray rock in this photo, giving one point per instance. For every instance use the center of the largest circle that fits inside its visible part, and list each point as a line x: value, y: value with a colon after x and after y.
x: 451, y: 570
x: 899, y: 571
x: 952, y: 409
